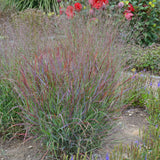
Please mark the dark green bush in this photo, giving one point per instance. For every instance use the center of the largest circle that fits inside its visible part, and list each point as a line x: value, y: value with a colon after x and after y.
x: 145, y: 24
x: 45, y: 5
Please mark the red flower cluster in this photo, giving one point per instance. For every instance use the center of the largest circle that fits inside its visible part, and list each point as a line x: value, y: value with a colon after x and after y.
x: 128, y: 13
x: 98, y: 4
x: 70, y: 11
x: 130, y: 7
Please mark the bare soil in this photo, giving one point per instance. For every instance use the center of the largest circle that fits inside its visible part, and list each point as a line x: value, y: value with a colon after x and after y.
x: 128, y: 130
x: 18, y: 150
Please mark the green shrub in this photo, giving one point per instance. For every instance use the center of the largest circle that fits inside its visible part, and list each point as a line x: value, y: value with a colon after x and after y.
x: 8, y: 109
x: 45, y: 5
x: 153, y: 105
x: 145, y: 58
x: 3, y: 4
x: 145, y: 23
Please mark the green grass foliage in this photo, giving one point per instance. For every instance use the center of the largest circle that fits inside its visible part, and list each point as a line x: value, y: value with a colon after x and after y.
x: 45, y: 5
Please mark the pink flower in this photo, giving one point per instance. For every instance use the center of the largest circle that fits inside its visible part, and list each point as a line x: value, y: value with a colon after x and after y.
x: 129, y: 16
x: 91, y: 12
x: 126, y: 11
x: 120, y: 5
x: 91, y: 2
x: 104, y: 6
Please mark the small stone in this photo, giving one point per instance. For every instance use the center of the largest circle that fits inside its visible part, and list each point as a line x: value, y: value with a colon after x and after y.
x: 30, y: 147
x: 28, y: 157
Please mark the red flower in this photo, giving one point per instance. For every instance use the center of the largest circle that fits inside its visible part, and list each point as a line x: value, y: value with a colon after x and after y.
x: 78, y: 7
x: 60, y: 11
x: 70, y: 11
x: 131, y: 8
x: 98, y: 4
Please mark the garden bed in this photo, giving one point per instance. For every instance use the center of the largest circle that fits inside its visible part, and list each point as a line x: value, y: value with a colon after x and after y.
x: 63, y: 82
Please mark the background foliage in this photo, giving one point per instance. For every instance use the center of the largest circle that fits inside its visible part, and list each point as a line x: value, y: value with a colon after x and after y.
x: 45, y: 5
x: 145, y: 59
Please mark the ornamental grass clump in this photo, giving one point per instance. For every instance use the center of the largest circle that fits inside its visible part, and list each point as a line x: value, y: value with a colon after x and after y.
x: 70, y: 88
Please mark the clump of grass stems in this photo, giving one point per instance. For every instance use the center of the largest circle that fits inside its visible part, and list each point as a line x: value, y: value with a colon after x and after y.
x: 8, y: 117
x: 69, y: 89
